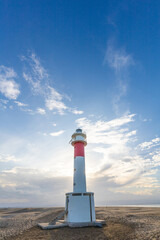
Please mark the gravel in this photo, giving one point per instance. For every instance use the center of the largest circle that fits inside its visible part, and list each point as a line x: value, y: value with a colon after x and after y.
x: 13, y: 223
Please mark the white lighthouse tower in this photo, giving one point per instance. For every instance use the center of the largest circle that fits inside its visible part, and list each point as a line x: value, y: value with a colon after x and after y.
x: 80, y: 208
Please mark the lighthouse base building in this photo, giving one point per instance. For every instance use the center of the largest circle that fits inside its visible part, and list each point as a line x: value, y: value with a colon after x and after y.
x: 79, y: 205
x: 80, y: 208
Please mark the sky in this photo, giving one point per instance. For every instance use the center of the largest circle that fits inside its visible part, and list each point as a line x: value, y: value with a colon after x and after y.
x: 88, y: 64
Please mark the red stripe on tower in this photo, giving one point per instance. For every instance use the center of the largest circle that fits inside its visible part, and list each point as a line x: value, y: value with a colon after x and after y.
x: 79, y: 149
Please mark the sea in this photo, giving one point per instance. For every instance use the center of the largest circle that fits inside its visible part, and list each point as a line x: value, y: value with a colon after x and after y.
x: 151, y: 205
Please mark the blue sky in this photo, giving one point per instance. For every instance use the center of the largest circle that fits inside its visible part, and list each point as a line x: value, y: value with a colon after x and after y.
x: 89, y: 64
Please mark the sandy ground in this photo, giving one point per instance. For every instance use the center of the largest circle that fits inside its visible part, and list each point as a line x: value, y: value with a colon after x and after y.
x: 122, y: 223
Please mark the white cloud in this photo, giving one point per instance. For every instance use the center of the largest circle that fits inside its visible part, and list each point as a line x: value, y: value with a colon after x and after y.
x: 53, y: 104
x: 36, y: 187
x: 144, y: 185
x: 55, y: 134
x: 147, y: 145
x: 32, y: 186
x: 111, y: 165
x: 20, y: 104
x: 120, y: 164
x: 147, y: 120
x: 109, y: 138
x: 8, y: 87
x: 77, y: 112
x: 41, y: 111
x: 54, y: 101
x: 7, y: 158
x: 105, y: 131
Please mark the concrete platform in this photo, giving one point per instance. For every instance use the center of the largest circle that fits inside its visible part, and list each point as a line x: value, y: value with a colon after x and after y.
x: 58, y: 224
x: 62, y: 223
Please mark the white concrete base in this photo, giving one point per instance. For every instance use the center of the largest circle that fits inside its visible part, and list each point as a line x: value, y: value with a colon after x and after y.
x: 80, y: 207
x: 97, y: 223
x: 62, y: 223
x: 58, y: 224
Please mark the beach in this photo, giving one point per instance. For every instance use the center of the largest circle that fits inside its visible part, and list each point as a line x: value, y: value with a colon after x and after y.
x: 122, y: 223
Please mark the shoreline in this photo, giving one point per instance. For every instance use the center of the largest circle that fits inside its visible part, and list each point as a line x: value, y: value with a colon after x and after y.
x: 46, y: 207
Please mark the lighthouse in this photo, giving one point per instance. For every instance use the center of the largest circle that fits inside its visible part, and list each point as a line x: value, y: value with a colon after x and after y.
x: 79, y: 205
x: 80, y: 208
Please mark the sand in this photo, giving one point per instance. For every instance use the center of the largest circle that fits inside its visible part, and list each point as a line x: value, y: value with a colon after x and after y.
x: 122, y: 223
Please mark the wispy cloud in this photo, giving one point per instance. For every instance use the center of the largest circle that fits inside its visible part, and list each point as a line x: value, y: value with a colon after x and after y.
x: 54, y: 101
x: 120, y: 61
x: 3, y: 103
x: 77, y: 112
x: 20, y: 104
x: 7, y: 158
x: 38, y: 78
x: 41, y: 111
x: 8, y: 87
x: 100, y: 131
x: 147, y: 145
x: 56, y: 134
x: 117, y: 59
x: 40, y: 84
x: 36, y: 75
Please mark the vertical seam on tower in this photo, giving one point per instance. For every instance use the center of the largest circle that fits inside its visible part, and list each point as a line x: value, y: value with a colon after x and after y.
x: 90, y: 207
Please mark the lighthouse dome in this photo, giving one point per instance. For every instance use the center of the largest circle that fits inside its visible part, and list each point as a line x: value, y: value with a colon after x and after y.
x: 79, y: 130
